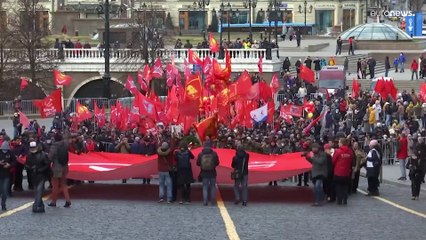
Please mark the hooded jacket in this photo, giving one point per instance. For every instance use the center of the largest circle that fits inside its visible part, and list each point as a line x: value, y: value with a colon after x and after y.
x: 342, y: 161
x: 241, y: 157
x: 208, y: 150
x: 165, y: 159
x: 6, y: 157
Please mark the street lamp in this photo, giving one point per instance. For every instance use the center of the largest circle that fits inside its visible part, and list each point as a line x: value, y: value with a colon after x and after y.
x: 106, y: 79
x: 250, y: 4
x: 305, y: 4
x: 203, y: 4
x: 276, y: 4
x: 144, y: 35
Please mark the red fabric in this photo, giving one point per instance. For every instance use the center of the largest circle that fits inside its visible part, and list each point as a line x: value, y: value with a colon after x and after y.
x: 170, y: 76
x: 142, y: 81
x: 186, y: 70
x: 101, y: 166
x: 307, y: 74
x: 403, y: 149
x: 24, y: 120
x: 100, y: 116
x: 275, y: 85
x: 254, y: 92
x: 292, y: 110
x: 130, y: 85
x: 61, y: 79
x: 342, y: 106
x: 146, y: 106
x: 207, y: 65
x: 380, y: 88
x: 414, y: 66
x: 242, y: 86
x: 193, y: 58
x: 265, y: 92
x: 83, y: 112
x: 271, y: 111
x: 214, y: 46
x: 260, y: 65
x: 50, y: 105
x: 422, y: 93
x: 24, y: 83
x: 113, y: 115
x: 342, y: 161
x: 307, y: 129
x: 157, y: 71
x: 207, y: 128
x: 393, y: 90
x: 355, y: 88
x: 192, y: 96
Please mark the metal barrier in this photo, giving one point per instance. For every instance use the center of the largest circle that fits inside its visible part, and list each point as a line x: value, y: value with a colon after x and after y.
x: 7, y: 108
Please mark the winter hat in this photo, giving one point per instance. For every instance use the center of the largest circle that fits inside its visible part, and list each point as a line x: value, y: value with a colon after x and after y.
x: 164, y: 146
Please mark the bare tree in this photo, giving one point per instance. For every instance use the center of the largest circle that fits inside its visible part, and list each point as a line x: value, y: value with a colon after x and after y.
x: 415, y: 5
x: 29, y: 25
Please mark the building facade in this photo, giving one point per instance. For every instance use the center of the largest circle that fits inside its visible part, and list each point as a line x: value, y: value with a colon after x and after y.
x: 193, y: 16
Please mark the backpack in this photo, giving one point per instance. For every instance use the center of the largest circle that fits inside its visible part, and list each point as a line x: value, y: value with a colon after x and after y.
x: 207, y: 162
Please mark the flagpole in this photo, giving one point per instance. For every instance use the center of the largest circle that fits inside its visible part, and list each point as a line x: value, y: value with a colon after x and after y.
x: 62, y: 96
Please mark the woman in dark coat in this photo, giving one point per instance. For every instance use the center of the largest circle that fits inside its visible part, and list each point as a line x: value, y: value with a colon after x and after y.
x: 185, y: 177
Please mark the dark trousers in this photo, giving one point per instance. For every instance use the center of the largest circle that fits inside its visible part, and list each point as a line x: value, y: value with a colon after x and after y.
x: 373, y: 185
x: 416, y: 181
x: 341, y: 184
x: 355, y: 182
x: 17, y: 186
x: 351, y: 50
x: 329, y: 188
x: 305, y: 178
x: 185, y: 190
x: 38, y: 205
x: 173, y: 176
x: 146, y: 180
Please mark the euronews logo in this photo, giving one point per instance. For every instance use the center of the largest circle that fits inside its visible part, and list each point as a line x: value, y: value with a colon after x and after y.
x: 391, y: 13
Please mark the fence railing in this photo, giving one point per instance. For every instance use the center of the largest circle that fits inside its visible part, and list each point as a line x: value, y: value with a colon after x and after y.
x: 77, y: 54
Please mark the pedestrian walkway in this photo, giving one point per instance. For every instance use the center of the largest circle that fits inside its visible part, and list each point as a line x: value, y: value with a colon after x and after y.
x: 391, y: 173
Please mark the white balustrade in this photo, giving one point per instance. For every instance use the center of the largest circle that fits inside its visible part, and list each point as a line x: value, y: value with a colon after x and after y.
x: 85, y: 55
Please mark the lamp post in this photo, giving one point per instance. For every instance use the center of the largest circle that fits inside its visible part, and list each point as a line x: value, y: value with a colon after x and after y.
x: 221, y: 12
x: 250, y: 4
x: 305, y: 11
x: 106, y: 78
x: 203, y: 4
x: 276, y: 4
x: 144, y: 35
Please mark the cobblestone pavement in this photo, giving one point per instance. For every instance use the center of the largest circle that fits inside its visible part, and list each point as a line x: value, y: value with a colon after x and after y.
x: 129, y: 211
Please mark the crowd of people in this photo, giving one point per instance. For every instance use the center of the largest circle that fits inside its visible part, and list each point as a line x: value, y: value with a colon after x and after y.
x: 354, y: 132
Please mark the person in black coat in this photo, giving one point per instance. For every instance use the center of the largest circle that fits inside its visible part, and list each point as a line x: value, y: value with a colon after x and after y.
x: 240, y: 166
x: 7, y: 160
x: 286, y: 65
x: 208, y: 160
x: 39, y: 163
x: 185, y: 177
x: 387, y: 66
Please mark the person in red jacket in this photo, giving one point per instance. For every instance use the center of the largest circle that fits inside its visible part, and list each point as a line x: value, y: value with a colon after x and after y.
x: 402, y: 155
x: 414, y: 68
x: 343, y: 158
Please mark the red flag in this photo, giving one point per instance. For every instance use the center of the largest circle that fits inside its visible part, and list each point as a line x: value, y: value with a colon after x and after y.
x: 142, y: 82
x: 186, y: 70
x: 83, y: 112
x: 207, y: 65
x: 50, y: 105
x: 271, y: 111
x: 308, y: 128
x: 242, y: 86
x: 285, y: 115
x: 207, y: 128
x: 393, y: 91
x: 130, y: 85
x: 265, y: 91
x: 291, y: 110
x: 24, y: 120
x: 146, y: 106
x: 275, y: 85
x: 307, y: 74
x: 170, y: 76
x: 193, y: 58
x: 254, y: 92
x: 157, y: 71
x: 422, y: 93
x: 24, y: 83
x: 61, y: 79
x: 113, y: 118
x: 100, y: 116
x: 260, y: 65
x: 147, y: 75
x: 214, y: 46
x: 380, y: 88
x: 193, y: 88
x: 355, y: 88
x: 228, y: 67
